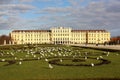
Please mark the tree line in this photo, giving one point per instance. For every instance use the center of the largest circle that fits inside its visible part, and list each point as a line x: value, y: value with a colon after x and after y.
x: 4, y: 37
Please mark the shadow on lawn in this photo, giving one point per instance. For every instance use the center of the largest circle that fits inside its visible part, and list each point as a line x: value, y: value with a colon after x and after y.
x: 10, y: 63
x: 80, y: 79
x: 46, y: 67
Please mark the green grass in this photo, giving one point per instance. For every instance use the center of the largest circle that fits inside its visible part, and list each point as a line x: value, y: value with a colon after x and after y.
x: 38, y: 69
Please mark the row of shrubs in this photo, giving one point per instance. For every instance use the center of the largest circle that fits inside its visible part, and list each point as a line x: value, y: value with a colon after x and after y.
x: 102, y: 61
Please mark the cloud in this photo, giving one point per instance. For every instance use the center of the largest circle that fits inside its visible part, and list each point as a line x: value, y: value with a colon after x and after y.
x: 3, y: 13
x: 95, y: 15
x: 75, y: 2
x: 6, y: 1
x: 10, y: 13
x: 102, y: 14
x: 26, y: 0
x: 47, y: 0
x: 78, y: 14
x: 51, y: 10
x: 9, y: 23
x: 16, y: 7
x: 114, y: 8
x: 13, y: 1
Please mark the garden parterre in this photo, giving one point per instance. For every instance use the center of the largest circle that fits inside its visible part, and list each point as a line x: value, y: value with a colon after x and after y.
x: 39, y: 58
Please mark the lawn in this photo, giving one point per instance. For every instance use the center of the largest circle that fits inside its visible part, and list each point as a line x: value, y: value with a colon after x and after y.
x: 34, y: 67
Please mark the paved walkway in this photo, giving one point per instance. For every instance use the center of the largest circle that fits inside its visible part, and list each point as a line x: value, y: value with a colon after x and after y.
x: 115, y: 47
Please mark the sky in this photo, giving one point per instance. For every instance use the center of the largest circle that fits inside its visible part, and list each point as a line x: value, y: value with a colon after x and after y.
x: 44, y: 14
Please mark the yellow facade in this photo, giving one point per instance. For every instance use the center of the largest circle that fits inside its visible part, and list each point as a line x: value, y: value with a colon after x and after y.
x: 98, y: 36
x: 59, y: 36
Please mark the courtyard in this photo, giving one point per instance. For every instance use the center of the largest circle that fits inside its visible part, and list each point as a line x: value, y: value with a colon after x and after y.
x: 62, y: 62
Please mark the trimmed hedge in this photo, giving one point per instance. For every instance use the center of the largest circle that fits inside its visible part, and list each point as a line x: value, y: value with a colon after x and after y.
x: 56, y: 62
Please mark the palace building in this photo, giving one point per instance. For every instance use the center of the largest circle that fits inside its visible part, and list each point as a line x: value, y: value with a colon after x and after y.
x: 59, y: 35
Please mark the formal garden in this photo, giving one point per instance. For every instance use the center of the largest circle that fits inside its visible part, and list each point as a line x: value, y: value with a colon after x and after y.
x: 57, y: 62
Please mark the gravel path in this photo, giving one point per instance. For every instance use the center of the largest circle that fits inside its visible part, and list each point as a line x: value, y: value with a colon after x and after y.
x: 115, y: 47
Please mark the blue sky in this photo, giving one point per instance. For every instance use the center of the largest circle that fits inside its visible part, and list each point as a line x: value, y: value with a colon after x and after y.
x: 44, y: 14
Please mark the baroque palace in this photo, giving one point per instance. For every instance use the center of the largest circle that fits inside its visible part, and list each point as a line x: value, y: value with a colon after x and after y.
x: 60, y: 35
